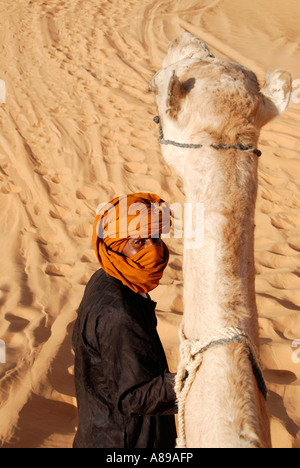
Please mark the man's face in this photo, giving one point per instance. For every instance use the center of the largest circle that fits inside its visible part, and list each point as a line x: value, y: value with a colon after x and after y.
x: 134, y: 246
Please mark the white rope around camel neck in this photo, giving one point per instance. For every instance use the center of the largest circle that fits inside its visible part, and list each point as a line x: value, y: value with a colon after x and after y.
x: 191, y: 356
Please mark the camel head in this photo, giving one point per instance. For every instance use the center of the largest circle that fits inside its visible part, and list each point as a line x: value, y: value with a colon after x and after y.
x: 204, y: 99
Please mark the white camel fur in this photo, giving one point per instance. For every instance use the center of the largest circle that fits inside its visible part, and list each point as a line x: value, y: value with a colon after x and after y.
x: 204, y: 100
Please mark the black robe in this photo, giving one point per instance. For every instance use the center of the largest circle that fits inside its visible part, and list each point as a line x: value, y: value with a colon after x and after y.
x: 125, y: 392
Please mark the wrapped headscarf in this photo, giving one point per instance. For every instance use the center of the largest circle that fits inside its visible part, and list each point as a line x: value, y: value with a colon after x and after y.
x: 138, y: 215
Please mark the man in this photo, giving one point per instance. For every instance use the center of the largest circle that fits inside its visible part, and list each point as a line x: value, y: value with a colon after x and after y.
x: 125, y: 392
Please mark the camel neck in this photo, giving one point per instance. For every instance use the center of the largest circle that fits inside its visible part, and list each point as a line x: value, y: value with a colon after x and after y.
x: 222, y: 267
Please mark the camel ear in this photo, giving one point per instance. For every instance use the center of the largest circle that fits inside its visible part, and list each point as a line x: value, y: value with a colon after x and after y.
x: 277, y: 89
x: 176, y: 93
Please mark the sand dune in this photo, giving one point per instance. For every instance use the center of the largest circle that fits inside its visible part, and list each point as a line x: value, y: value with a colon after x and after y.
x: 76, y: 130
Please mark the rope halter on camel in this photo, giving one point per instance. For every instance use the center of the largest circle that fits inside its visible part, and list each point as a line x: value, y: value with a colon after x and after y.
x: 162, y: 141
x: 191, y: 356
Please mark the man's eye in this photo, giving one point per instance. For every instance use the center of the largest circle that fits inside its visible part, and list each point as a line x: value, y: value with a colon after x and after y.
x: 139, y: 242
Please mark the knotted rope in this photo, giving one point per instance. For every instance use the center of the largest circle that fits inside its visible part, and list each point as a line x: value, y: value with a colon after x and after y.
x: 191, y: 357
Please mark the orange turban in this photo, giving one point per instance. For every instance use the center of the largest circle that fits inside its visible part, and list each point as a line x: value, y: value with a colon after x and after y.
x: 139, y: 215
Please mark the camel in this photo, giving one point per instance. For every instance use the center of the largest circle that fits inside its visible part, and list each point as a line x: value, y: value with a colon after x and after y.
x: 211, y: 111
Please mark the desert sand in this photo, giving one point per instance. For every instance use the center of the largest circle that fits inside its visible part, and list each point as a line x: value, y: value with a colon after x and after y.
x: 76, y: 130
